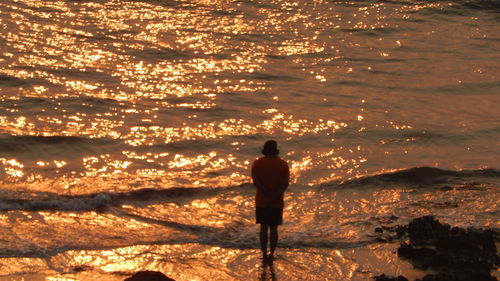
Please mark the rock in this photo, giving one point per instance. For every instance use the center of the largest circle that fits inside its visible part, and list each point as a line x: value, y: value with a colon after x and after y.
x: 456, y: 277
x: 149, y: 276
x: 456, y: 254
x: 426, y: 230
x: 79, y: 268
x: 381, y: 239
x: 401, y: 230
x: 384, y: 277
x: 102, y: 201
x: 383, y: 236
x: 420, y: 257
x: 446, y: 188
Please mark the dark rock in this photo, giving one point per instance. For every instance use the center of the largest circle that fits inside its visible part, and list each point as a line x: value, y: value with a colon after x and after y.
x: 456, y: 254
x: 456, y: 277
x: 496, y: 234
x: 101, y: 209
x: 420, y: 257
x: 384, y: 238
x: 401, y: 230
x: 383, y: 234
x: 79, y: 268
x: 384, y: 277
x: 149, y: 276
x: 426, y: 230
x: 393, y: 217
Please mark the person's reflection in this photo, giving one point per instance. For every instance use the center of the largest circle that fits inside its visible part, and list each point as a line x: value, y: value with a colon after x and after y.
x: 268, y: 273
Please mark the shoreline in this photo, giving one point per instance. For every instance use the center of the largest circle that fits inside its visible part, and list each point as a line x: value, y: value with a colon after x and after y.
x: 359, y: 263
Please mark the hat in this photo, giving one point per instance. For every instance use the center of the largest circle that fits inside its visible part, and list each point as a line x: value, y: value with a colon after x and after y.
x: 270, y: 148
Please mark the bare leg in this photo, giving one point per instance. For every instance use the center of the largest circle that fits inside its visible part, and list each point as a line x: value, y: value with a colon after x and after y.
x: 263, y: 240
x: 274, y: 240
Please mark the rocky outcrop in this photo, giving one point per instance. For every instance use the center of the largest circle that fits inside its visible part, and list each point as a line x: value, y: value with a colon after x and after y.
x: 149, y: 276
x: 456, y: 254
x: 384, y: 277
x: 463, y: 252
x: 455, y: 277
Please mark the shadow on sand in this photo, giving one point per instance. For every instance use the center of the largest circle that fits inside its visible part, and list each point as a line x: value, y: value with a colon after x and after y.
x: 267, y: 273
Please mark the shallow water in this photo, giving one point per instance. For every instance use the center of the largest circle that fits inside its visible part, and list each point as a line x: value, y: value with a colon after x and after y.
x: 209, y: 234
x: 127, y: 129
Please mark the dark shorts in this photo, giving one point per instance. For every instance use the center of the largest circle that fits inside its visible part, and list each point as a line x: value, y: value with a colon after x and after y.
x: 271, y: 216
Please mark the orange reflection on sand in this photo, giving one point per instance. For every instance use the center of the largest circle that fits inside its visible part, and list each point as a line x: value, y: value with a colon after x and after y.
x: 117, y: 260
x: 182, y: 262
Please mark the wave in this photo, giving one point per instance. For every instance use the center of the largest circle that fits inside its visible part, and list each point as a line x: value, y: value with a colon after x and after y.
x: 41, y: 139
x: 470, y: 4
x: 265, y: 76
x: 421, y: 176
x: 465, y: 88
x: 35, y: 103
x: 161, y: 54
x: 492, y: 5
x: 424, y: 137
x: 49, y: 144
x: 101, y: 202
x: 11, y: 81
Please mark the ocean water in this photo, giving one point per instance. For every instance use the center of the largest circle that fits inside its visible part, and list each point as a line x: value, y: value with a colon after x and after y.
x: 127, y: 129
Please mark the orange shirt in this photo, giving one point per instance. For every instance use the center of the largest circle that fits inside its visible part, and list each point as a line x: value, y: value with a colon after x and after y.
x: 273, y: 173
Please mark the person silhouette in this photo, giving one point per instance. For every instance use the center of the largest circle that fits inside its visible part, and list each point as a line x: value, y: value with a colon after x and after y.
x: 271, y: 176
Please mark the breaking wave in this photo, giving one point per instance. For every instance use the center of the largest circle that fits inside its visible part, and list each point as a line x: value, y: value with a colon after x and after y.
x: 416, y: 177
